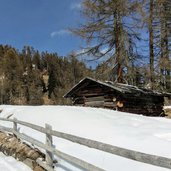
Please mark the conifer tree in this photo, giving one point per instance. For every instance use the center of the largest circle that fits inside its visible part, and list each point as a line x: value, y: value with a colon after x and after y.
x: 21, y: 76
x: 110, y: 24
x: 37, y: 61
x: 12, y: 71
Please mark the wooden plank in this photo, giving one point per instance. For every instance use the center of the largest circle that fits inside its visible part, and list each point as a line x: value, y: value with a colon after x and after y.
x: 70, y: 159
x: 73, y: 160
x: 2, y: 128
x: 95, y: 103
x: 15, y: 124
x: 78, y: 100
x: 91, y: 94
x: 97, y: 90
x: 44, y: 165
x: 130, y: 154
x: 95, y: 98
x: 35, y: 127
x: 109, y: 103
x: 49, y: 155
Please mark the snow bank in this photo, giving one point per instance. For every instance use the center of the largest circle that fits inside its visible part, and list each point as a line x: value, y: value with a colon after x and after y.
x: 10, y: 164
x: 136, y: 132
x: 167, y: 107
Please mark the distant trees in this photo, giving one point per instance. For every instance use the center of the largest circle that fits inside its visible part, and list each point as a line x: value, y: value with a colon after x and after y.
x: 30, y: 77
x: 64, y: 72
x: 11, y: 75
x: 78, y: 69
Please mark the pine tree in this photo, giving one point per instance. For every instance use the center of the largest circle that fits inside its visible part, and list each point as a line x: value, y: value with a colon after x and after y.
x: 12, y: 72
x: 21, y: 76
x: 37, y: 60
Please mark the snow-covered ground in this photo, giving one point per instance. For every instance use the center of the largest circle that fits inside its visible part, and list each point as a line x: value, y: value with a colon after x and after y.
x: 167, y: 107
x: 151, y: 135
x: 10, y: 164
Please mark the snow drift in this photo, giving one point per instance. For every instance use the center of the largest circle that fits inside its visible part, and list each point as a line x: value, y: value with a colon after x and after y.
x: 144, y: 134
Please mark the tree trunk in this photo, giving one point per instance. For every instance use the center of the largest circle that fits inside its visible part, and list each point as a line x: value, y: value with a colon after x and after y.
x: 118, y: 42
x: 151, y: 46
x: 164, y: 70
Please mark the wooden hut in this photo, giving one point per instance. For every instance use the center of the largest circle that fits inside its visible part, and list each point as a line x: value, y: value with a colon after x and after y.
x: 121, y: 97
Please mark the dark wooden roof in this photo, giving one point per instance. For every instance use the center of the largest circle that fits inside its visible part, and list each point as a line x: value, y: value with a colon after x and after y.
x: 118, y: 87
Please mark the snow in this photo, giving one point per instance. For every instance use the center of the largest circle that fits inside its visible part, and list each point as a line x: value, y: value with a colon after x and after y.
x: 150, y: 135
x: 10, y: 164
x: 167, y: 107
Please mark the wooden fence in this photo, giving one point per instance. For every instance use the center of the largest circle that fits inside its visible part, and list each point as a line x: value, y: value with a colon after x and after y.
x: 50, y: 150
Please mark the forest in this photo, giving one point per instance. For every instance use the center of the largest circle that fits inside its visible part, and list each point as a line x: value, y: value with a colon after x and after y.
x: 30, y: 77
x: 130, y: 39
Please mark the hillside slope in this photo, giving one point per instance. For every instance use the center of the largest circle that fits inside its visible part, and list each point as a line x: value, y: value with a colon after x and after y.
x: 136, y: 132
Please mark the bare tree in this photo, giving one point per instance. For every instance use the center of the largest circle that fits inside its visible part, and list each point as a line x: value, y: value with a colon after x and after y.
x: 158, y: 22
x: 165, y: 69
x: 151, y: 43
x: 110, y: 30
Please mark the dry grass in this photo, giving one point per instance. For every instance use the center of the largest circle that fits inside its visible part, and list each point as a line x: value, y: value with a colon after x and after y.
x: 168, y: 112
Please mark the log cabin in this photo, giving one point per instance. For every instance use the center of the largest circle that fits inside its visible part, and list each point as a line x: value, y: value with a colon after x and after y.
x: 117, y: 96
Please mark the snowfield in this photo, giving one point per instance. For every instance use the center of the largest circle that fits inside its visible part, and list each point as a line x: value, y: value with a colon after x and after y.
x: 150, y: 135
x: 10, y: 164
x: 167, y: 107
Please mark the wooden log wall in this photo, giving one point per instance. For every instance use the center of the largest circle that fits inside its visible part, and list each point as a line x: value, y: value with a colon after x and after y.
x: 148, y: 105
x: 100, y: 96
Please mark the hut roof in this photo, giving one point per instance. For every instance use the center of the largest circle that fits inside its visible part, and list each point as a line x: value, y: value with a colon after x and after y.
x: 120, y: 88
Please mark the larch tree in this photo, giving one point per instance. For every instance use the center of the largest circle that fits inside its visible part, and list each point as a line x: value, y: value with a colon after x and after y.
x: 165, y: 62
x: 151, y: 41
x: 157, y: 20
x: 110, y: 31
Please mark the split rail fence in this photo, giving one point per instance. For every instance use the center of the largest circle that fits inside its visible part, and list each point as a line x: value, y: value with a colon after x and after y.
x: 51, y: 151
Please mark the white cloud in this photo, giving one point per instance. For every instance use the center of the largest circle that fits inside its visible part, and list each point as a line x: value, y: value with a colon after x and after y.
x: 75, y: 6
x: 104, y: 50
x: 60, y: 33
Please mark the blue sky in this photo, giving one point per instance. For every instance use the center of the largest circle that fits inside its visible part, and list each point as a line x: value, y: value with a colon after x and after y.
x: 41, y: 24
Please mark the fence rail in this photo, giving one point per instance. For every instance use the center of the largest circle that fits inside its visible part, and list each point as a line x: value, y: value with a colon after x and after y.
x: 50, y: 150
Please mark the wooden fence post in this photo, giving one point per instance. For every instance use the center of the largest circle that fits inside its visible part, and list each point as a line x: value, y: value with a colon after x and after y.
x: 49, y: 155
x: 15, y: 124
